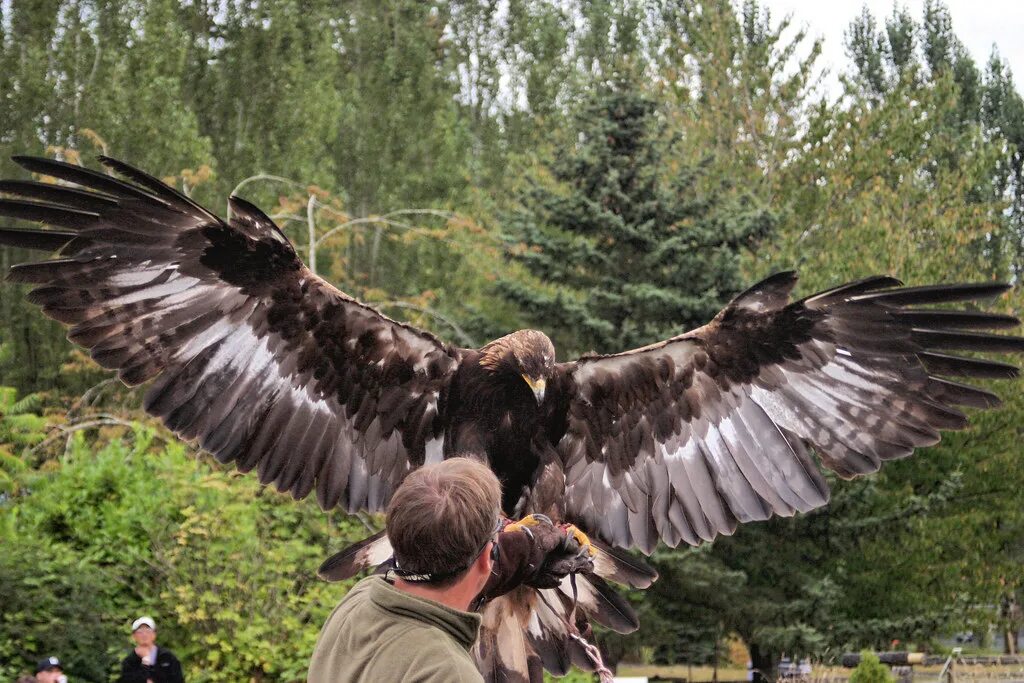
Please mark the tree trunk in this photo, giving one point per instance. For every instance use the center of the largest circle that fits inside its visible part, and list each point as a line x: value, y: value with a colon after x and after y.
x: 763, y: 661
x: 1012, y: 613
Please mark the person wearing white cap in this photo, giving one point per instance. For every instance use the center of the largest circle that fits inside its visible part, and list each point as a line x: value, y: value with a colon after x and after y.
x: 148, y: 663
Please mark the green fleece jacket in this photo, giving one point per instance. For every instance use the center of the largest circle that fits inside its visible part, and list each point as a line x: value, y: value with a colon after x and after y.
x: 378, y: 634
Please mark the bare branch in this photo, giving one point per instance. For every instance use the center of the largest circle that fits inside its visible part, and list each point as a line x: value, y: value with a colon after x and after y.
x: 288, y: 217
x: 90, y: 396
x: 388, y: 219
x: 381, y: 220
x: 258, y: 177
x: 310, y: 206
x: 91, y: 422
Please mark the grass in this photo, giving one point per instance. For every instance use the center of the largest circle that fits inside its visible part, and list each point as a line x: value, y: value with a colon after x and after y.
x: 929, y: 674
x: 700, y: 673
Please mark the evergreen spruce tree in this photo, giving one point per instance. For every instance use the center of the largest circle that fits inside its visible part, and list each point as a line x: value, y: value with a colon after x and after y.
x: 626, y: 249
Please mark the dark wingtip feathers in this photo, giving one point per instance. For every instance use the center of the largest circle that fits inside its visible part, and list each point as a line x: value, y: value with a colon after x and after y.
x: 935, y: 294
x: 85, y: 177
x: 944, y: 364
x: 850, y: 289
x: 967, y: 341
x: 246, y: 209
x: 41, y: 240
x: 946, y: 319
x: 154, y: 185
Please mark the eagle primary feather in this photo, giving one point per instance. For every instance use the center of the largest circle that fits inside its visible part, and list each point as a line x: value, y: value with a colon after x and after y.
x: 271, y: 368
x: 265, y: 364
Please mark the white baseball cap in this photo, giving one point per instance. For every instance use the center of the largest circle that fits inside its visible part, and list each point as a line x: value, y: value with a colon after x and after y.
x: 143, y: 621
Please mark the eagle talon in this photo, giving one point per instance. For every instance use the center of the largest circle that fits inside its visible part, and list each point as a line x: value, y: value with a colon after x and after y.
x: 536, y: 519
x: 574, y: 532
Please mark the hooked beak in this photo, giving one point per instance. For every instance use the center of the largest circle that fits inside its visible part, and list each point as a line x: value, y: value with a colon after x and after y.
x: 537, y: 386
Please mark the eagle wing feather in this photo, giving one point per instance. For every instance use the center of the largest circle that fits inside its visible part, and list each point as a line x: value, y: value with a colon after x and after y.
x: 264, y: 363
x: 682, y: 440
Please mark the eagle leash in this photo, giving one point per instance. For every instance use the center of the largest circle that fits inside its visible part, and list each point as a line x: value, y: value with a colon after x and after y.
x: 593, y: 653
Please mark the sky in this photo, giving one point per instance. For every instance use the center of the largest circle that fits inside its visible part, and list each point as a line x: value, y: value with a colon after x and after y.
x: 978, y: 23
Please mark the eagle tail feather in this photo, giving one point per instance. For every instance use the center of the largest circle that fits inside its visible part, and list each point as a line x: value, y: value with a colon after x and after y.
x: 548, y: 633
x: 621, y: 567
x: 600, y: 602
x: 503, y: 650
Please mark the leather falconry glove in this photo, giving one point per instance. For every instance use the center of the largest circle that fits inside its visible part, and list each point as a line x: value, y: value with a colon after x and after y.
x: 537, y: 553
x: 557, y: 550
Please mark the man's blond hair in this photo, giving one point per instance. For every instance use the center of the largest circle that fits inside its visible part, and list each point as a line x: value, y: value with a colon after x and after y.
x: 441, y: 517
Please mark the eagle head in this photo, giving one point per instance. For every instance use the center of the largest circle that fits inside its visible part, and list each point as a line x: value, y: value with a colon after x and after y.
x: 528, y: 354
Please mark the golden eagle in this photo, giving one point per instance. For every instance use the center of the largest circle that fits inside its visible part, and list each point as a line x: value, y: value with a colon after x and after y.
x: 271, y: 368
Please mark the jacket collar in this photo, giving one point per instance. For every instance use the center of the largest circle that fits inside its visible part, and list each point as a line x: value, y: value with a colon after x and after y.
x: 462, y: 626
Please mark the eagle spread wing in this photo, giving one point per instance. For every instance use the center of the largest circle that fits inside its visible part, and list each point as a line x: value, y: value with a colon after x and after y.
x: 263, y: 362
x: 272, y: 368
x: 683, y: 439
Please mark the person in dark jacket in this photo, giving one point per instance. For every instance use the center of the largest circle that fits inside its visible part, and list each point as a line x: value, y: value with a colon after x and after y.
x: 148, y: 663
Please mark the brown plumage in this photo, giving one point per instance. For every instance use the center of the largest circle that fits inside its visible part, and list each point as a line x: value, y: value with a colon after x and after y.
x: 271, y: 368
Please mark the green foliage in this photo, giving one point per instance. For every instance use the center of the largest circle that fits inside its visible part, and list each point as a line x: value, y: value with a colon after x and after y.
x: 871, y: 670
x: 138, y: 525
x: 626, y: 255
x: 21, y: 426
x: 20, y: 423
x: 915, y: 57
x: 686, y: 610
x: 574, y: 676
x: 54, y: 603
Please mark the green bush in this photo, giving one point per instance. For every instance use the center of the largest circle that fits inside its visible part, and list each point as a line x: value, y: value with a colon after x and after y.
x: 138, y: 525
x: 871, y: 670
x: 54, y: 604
